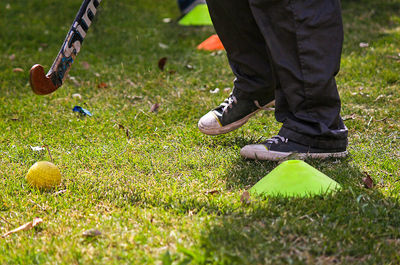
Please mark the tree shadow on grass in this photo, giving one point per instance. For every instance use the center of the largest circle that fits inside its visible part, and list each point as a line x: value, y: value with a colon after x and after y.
x: 354, y: 226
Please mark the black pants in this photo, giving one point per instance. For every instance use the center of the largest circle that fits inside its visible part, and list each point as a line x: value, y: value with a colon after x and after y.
x: 288, y: 50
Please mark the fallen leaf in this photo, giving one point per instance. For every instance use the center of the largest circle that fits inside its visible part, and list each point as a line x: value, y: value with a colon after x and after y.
x: 162, y: 62
x: 59, y: 192
x: 131, y: 83
x: 134, y: 97
x: 397, y: 58
x: 215, y: 91
x: 227, y: 89
x: 245, y: 197
x: 17, y: 69
x: 212, y: 192
x: 85, y: 65
x: 91, y: 233
x: 368, y: 182
x: 349, y: 117
x: 155, y: 107
x: 76, y: 96
x: 379, y: 97
x: 163, y: 46
x: 26, y: 226
x: 102, y: 85
x: 167, y: 20
x: 384, y: 119
x: 73, y: 79
x: 120, y: 126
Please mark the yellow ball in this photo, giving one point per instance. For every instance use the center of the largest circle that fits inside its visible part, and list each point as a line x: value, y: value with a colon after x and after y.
x: 43, y: 175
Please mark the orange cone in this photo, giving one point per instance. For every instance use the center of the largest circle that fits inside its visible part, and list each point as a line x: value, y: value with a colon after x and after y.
x: 213, y: 43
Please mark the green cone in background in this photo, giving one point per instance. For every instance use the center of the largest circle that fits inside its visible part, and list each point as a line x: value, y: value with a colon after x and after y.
x: 198, y: 16
x: 294, y: 178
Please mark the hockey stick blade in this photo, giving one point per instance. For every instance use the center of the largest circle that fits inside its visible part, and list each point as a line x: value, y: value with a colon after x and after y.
x: 42, y: 84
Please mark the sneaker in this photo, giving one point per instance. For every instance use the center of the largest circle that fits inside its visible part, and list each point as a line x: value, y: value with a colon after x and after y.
x: 230, y: 115
x: 278, y: 148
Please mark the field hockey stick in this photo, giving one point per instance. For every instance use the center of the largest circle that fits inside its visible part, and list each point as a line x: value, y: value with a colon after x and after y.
x: 45, y: 84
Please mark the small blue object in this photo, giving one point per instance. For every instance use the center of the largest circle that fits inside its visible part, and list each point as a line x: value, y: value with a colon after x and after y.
x: 82, y: 111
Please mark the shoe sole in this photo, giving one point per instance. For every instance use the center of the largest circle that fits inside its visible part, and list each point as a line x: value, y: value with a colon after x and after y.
x: 277, y: 156
x: 232, y: 126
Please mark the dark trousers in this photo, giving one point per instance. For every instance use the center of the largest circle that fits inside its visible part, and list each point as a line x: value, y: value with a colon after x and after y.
x: 288, y: 50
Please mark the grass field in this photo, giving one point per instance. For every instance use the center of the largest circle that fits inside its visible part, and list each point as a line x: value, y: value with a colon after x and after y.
x: 158, y: 190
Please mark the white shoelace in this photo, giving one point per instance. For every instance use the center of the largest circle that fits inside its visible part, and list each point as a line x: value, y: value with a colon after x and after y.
x: 275, y: 139
x: 228, y: 102
x: 262, y: 107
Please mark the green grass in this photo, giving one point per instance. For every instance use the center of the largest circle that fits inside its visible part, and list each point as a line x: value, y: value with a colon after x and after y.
x: 149, y: 193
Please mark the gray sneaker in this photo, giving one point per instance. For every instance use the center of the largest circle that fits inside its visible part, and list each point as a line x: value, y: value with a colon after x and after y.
x: 279, y: 147
x: 231, y: 114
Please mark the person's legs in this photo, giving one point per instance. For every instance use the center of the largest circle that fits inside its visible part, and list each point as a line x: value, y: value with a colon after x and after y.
x: 250, y: 62
x: 305, y: 39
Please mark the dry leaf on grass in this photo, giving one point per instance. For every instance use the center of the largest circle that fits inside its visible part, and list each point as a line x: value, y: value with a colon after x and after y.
x: 127, y: 132
x: 73, y: 80
x: 215, y: 91
x: 131, y: 83
x: 122, y: 127
x: 17, y: 69
x: 161, y: 63
x: 212, y: 192
x: 102, y: 85
x: 397, y: 58
x: 245, y: 198
x: 59, y: 192
x: 133, y: 98
x: 155, y: 107
x: 349, y: 117
x: 379, y: 97
x: 163, y: 46
x: 118, y: 125
x: 368, y: 182
x: 26, y: 226
x: 85, y: 65
x: 91, y: 233
x: 77, y: 96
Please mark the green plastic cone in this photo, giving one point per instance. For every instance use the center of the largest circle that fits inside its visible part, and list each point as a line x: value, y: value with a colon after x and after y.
x: 294, y: 178
x: 198, y: 16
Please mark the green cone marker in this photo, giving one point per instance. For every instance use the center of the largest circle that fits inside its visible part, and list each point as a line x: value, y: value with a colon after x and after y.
x: 294, y: 178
